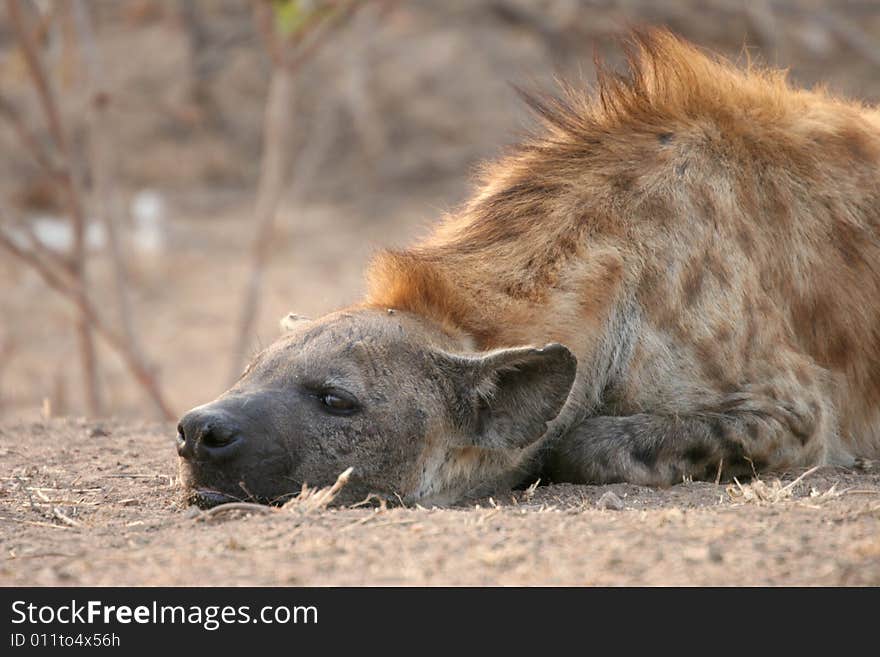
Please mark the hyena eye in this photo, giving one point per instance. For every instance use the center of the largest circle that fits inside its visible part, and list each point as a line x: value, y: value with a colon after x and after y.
x: 338, y: 403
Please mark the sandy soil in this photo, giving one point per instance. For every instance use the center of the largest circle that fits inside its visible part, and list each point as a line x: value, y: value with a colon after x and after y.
x: 97, y: 503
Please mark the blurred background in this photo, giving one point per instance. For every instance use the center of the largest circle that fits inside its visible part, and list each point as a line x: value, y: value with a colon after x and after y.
x: 176, y: 176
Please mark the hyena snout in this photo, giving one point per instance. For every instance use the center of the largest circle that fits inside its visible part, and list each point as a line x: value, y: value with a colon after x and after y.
x: 227, y: 453
x: 209, y: 434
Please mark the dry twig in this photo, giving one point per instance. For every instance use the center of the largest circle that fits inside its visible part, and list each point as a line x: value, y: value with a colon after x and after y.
x: 56, y: 281
x: 103, y: 170
x: 71, y: 178
x: 316, y: 499
x: 287, y: 55
x: 761, y: 492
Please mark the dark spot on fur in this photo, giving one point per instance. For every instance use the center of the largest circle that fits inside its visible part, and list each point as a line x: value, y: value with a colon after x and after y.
x: 803, y: 430
x: 697, y: 453
x: 734, y: 452
x: 859, y: 144
x: 622, y: 183
x: 711, y: 470
x: 759, y: 465
x: 713, y: 263
x: 751, y: 329
x: 645, y: 454
x: 659, y: 210
x: 665, y: 137
x: 692, y: 285
x: 718, y: 429
x: 746, y: 240
x: 753, y: 430
x: 711, y: 367
x: 839, y: 349
x: 723, y: 334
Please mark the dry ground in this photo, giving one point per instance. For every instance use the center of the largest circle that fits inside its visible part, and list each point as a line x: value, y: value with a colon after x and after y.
x: 86, y: 503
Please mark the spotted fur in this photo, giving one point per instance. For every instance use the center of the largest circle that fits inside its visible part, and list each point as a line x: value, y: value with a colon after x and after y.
x: 705, y: 239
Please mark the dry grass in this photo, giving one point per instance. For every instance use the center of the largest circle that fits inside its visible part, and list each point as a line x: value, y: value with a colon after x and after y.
x: 759, y: 491
x: 530, y: 491
x: 316, y: 499
x: 307, y: 501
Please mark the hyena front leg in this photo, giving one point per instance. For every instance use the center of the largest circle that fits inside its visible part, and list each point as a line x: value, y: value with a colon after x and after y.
x: 742, y: 432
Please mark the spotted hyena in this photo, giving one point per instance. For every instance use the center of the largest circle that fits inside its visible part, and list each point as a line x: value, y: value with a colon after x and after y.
x: 677, y: 276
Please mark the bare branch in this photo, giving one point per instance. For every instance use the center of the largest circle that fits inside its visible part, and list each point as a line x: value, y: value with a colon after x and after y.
x: 318, y: 35
x: 71, y: 180
x: 30, y: 50
x: 273, y: 174
x: 103, y: 169
x: 56, y: 281
x: 293, y: 52
x: 28, y: 139
x: 287, y: 57
x: 51, y: 257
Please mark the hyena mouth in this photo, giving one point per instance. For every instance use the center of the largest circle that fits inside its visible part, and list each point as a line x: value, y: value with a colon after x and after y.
x: 206, y: 498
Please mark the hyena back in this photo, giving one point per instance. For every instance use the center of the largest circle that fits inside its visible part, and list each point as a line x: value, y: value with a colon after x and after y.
x: 706, y: 240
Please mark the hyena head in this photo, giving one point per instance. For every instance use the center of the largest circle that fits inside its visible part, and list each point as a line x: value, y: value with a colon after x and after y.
x: 380, y: 391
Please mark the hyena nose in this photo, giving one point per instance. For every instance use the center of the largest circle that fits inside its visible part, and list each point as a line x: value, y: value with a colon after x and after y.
x: 203, y: 434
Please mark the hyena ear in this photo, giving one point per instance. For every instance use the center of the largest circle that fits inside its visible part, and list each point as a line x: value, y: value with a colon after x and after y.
x: 506, y: 397
x: 291, y: 320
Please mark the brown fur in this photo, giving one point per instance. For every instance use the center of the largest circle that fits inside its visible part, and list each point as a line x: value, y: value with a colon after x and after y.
x: 696, y: 246
x: 728, y: 223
